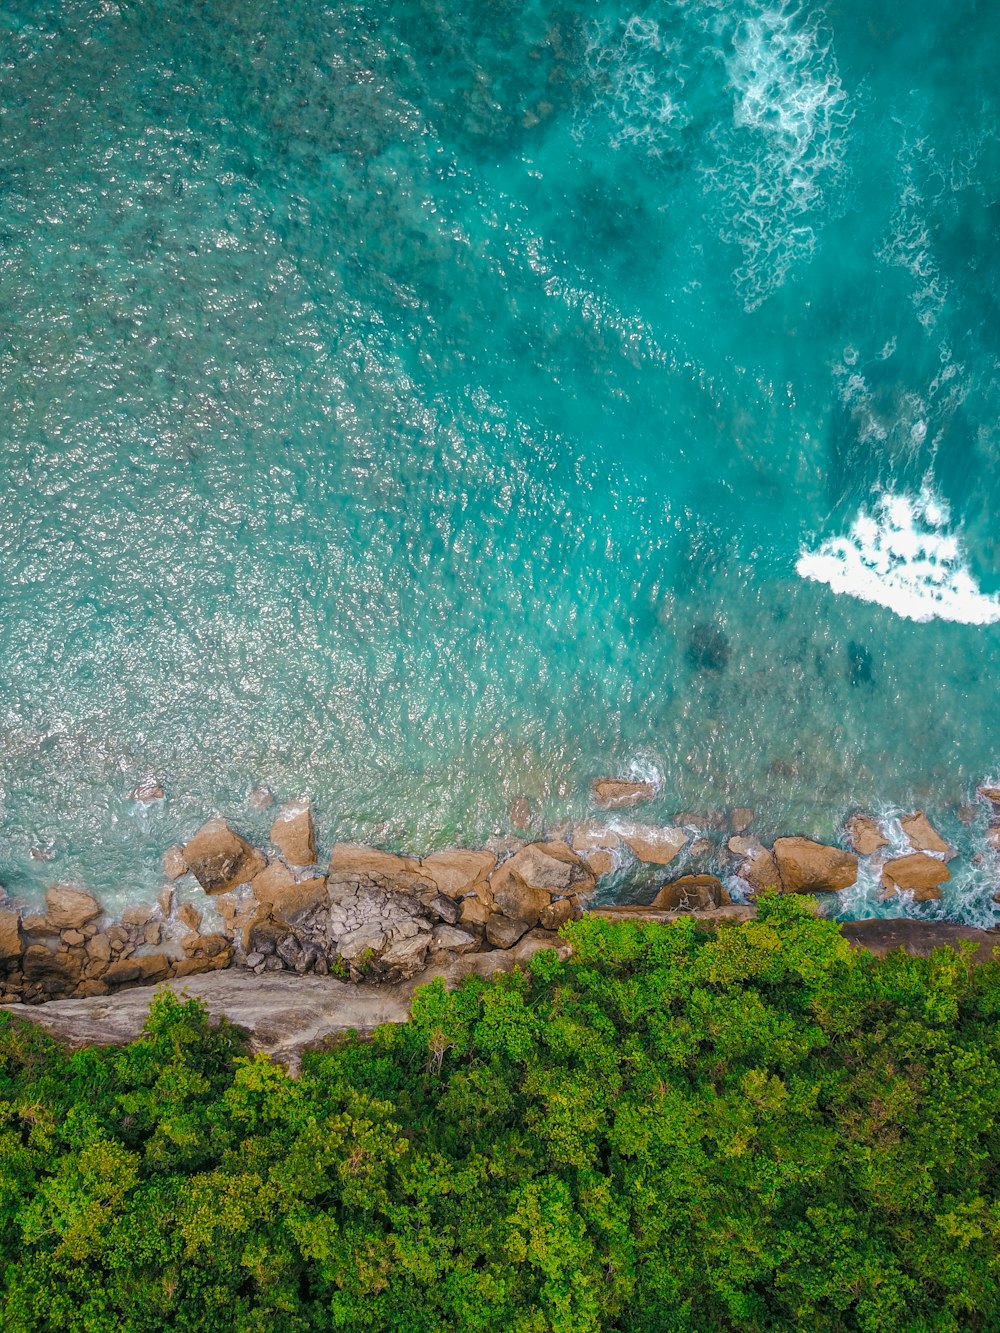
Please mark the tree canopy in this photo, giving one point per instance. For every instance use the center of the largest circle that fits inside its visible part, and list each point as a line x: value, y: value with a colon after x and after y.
x: 748, y: 1128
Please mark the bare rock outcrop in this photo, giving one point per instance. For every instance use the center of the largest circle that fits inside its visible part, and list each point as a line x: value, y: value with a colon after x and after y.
x: 921, y: 833
x: 918, y: 873
x: 691, y: 893
x: 294, y: 834
x: 68, y: 907
x: 220, y: 859
x: 864, y: 835
x: 812, y: 867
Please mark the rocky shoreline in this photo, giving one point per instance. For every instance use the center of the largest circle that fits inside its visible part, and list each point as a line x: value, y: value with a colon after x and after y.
x: 372, y: 916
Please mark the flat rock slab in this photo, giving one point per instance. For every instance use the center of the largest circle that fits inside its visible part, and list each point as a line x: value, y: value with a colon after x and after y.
x: 284, y: 1013
x: 919, y: 938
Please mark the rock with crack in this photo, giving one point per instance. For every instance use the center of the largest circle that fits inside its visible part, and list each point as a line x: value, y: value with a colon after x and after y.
x: 691, y: 893
x: 620, y: 794
x: 864, y: 835
x: 812, y: 867
x: 220, y: 859
x: 922, y: 835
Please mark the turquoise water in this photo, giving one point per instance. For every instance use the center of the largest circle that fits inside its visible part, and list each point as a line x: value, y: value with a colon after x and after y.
x: 426, y: 404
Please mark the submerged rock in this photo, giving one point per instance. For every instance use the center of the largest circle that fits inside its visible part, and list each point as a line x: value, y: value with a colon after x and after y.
x: 654, y: 846
x: 620, y: 794
x: 521, y: 813
x: 859, y: 664
x: 864, y: 835
x: 813, y: 867
x: 917, y: 873
x: 220, y: 859
x: 147, y: 792
x: 708, y: 648
x: 921, y: 833
x: 294, y: 834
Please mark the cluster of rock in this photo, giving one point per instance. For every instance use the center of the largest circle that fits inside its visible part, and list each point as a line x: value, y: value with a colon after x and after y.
x: 373, y: 915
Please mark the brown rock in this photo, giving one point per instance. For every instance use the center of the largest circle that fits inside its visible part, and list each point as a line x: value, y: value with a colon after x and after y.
x: 502, y: 932
x: 151, y: 932
x: 47, y: 965
x: 165, y: 900
x: 759, y: 869
x: 404, y: 958
x: 599, y: 861
x: 294, y: 834
x: 556, y: 914
x: 276, y: 889
x: 989, y: 793
x: 260, y: 798
x: 993, y: 837
x: 220, y: 859
x: 740, y: 818
x: 204, y: 946
x: 37, y: 923
x: 90, y: 987
x: 691, y: 893
x: 456, y: 872
x: 552, y: 866
x: 137, y: 916
x: 864, y: 835
x: 619, y: 794
x: 10, y: 936
x: 655, y: 846
x: 520, y: 901
x: 700, y: 848
x: 148, y: 968
x: 72, y: 937
x: 69, y: 908
x: 968, y: 814
x: 451, y: 937
x: 921, y: 833
x: 174, y: 864
x: 917, y: 873
x: 352, y: 861
x: 188, y: 915
x: 99, y: 948
x: 812, y: 867
x: 474, y: 912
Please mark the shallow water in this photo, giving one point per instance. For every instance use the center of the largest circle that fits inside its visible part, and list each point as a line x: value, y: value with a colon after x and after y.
x: 424, y: 405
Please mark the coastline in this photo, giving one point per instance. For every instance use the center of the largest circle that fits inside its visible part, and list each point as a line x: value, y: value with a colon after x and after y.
x: 370, y: 916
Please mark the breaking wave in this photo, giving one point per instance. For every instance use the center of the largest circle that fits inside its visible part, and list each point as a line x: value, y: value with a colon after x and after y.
x: 905, y: 557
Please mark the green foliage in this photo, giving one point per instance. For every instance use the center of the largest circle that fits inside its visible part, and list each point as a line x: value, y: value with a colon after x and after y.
x: 676, y: 1130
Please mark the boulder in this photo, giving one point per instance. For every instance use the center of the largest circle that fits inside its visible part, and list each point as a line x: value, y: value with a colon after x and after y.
x: 812, y: 867
x: 921, y: 833
x: 277, y: 890
x: 189, y: 916
x: 474, y: 912
x: 165, y: 900
x: 989, y: 793
x: 59, y: 967
x: 520, y: 901
x: 71, y: 938
x: 294, y: 834
x: 993, y: 837
x: 404, y: 958
x: 444, y: 908
x: 759, y: 868
x: 551, y: 866
x: 356, y: 864
x: 151, y: 967
x: 691, y: 893
x: 558, y: 912
x: 174, y: 864
x: 654, y: 846
x: 137, y: 915
x: 99, y: 949
x: 864, y: 835
x: 619, y: 794
x: 917, y: 873
x: 10, y: 936
x: 455, y: 873
x: 451, y: 937
x: 740, y: 818
x: 599, y: 861
x: 69, y: 908
x: 220, y: 859
x: 502, y: 932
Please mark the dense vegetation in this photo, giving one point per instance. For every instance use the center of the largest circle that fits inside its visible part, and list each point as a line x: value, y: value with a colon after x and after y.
x: 672, y: 1131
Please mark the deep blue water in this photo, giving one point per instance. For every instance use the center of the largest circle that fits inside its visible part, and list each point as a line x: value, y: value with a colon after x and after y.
x: 424, y: 404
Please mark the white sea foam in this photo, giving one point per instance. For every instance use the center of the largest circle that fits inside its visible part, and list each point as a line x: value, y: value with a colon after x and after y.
x: 904, y: 556
x: 791, y: 115
x: 638, y: 77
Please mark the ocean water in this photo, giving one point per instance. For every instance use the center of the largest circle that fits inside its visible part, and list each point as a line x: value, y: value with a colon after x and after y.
x: 424, y: 404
